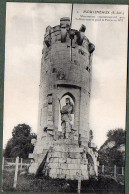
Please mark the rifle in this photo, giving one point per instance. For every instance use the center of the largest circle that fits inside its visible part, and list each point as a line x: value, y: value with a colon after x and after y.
x: 60, y: 105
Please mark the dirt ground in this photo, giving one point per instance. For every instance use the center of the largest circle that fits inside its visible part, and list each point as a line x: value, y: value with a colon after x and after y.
x: 27, y: 182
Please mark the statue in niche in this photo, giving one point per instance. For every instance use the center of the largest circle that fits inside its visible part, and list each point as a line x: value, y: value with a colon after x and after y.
x: 66, y: 117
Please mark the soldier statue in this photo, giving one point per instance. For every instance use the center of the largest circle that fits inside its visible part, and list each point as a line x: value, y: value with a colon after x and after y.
x: 66, y: 118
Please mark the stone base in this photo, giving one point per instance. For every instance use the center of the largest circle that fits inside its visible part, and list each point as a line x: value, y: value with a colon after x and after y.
x: 33, y: 168
x: 65, y: 159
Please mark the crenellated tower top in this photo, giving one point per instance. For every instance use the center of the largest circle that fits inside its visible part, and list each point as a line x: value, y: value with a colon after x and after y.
x: 64, y: 33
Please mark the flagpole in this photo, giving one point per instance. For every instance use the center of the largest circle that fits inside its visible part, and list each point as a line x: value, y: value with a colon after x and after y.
x: 71, y: 16
x: 70, y: 32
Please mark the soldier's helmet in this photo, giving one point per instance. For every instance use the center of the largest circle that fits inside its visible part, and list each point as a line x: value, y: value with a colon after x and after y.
x: 67, y: 100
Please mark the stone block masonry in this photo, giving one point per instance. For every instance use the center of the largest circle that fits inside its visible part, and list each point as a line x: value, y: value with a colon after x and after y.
x: 62, y: 148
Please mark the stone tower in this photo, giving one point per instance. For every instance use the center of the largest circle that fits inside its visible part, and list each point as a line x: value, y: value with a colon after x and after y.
x: 63, y: 148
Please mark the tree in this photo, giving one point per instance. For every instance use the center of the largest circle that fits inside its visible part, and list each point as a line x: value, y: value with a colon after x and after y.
x: 20, y: 143
x: 117, y: 135
x: 111, y: 155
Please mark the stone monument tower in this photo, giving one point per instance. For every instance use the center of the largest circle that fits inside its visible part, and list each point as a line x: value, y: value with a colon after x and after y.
x: 63, y: 148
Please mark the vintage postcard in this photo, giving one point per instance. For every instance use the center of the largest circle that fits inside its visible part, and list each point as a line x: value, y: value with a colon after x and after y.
x: 65, y: 98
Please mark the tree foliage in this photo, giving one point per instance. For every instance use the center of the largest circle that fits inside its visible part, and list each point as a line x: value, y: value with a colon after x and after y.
x: 20, y: 143
x: 117, y: 135
x: 110, y: 156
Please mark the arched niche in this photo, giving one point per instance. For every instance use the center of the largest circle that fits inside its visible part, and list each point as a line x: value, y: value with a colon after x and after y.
x: 66, y: 98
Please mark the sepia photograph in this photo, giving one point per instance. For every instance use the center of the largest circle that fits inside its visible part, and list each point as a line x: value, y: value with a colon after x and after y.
x: 65, y: 82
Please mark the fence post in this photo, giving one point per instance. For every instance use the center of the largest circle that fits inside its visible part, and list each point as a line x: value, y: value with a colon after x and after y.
x: 102, y: 169
x: 122, y: 171
x: 115, y: 171
x: 3, y: 164
x: 79, y: 182
x: 16, y: 172
x: 21, y: 163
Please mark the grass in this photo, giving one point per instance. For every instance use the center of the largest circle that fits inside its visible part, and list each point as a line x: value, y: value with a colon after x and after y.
x: 30, y: 183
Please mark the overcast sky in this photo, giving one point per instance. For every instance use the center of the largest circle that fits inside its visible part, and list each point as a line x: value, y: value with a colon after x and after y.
x: 25, y: 28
